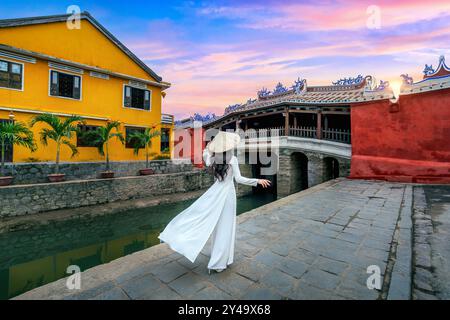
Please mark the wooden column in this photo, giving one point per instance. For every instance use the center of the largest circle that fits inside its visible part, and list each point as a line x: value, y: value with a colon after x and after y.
x: 319, y: 125
x: 286, y: 122
x: 295, y: 121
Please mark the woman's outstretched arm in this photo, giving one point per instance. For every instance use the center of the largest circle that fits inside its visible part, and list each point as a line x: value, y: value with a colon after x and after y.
x: 207, y: 157
x: 237, y: 174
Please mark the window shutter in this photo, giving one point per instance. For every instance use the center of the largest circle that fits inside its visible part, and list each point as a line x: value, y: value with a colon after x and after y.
x: 147, y: 100
x: 54, y: 83
x: 127, y: 97
x: 76, y: 87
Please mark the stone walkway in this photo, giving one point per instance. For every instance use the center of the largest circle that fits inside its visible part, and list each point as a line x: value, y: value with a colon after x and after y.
x: 316, y: 244
x: 431, y: 274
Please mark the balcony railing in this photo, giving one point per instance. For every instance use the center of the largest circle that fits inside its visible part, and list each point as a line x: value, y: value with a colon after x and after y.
x: 338, y: 135
x: 304, y: 132
x: 166, y: 118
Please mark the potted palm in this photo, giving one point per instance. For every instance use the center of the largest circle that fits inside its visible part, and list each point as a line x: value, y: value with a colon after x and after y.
x: 143, y: 140
x: 13, y: 133
x: 60, y: 131
x: 100, y: 138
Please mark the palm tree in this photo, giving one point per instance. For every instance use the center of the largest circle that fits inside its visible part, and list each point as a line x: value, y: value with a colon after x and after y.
x: 14, y: 133
x: 101, y: 136
x: 60, y: 131
x: 143, y: 139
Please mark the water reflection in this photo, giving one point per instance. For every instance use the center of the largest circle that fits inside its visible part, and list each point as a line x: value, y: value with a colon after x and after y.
x: 34, y: 257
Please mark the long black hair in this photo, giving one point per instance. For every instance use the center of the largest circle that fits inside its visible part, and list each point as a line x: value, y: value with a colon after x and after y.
x: 220, y: 162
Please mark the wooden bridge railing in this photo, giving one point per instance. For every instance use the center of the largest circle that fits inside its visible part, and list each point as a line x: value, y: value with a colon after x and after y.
x: 338, y: 135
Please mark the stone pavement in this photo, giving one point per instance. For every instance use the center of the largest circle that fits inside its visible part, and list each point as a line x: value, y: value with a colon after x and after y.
x: 431, y: 276
x: 316, y: 244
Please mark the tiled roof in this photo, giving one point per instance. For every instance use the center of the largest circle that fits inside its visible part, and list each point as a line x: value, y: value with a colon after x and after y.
x: 432, y: 80
x: 317, y: 95
x: 84, y: 15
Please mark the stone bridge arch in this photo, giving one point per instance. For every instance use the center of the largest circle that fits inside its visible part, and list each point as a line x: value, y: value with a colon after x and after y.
x: 301, y: 169
x: 330, y: 168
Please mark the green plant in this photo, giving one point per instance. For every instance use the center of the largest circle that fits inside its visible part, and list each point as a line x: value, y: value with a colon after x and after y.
x: 14, y: 133
x: 162, y: 156
x: 60, y: 131
x: 143, y: 139
x: 101, y: 136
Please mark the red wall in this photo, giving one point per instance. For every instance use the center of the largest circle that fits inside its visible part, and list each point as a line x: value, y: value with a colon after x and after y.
x: 410, y: 145
x: 189, y: 144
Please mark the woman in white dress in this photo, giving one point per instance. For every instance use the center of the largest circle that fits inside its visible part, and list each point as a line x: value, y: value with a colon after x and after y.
x: 214, y: 213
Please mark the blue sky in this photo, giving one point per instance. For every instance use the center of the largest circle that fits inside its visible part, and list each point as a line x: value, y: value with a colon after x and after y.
x: 217, y: 53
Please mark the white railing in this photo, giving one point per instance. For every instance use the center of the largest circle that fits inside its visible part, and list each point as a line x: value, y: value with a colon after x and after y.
x: 305, y: 132
x: 338, y: 135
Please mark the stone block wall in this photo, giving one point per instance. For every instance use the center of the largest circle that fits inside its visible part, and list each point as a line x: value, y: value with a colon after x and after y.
x: 19, y: 200
x: 27, y: 173
x: 290, y: 173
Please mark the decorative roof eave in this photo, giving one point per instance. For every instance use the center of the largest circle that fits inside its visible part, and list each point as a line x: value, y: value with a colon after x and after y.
x: 441, y: 71
x: 427, y: 85
x: 433, y: 79
x: 87, y: 16
x: 161, y: 84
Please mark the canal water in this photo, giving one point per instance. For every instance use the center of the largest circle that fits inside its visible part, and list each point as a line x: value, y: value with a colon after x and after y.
x: 33, y: 257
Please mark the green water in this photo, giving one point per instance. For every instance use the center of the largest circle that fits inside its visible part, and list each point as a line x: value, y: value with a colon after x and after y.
x: 33, y: 257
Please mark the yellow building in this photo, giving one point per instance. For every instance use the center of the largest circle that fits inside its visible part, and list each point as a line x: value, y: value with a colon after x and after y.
x: 51, y: 64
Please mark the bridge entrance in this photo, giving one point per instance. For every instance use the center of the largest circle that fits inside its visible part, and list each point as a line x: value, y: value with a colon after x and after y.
x: 331, y: 168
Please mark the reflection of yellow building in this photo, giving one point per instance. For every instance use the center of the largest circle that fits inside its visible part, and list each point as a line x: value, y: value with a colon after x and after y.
x: 48, y: 64
x: 26, y: 276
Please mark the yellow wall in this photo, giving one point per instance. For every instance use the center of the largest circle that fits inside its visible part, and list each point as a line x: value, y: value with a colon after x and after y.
x: 99, y: 98
x: 86, y: 45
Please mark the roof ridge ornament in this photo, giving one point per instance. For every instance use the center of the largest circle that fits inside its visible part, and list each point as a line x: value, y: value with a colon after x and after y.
x: 429, y: 70
x: 279, y: 88
x: 208, y: 117
x: 407, y: 79
x: 441, y: 70
x: 349, y: 81
x: 232, y: 108
x: 263, y: 93
x: 371, y: 83
x: 299, y: 85
x: 382, y: 85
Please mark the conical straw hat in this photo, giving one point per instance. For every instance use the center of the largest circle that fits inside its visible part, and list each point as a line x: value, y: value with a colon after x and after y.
x: 224, y: 141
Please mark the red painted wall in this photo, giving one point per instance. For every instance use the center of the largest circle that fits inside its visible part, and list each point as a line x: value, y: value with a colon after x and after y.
x: 189, y: 144
x: 410, y: 145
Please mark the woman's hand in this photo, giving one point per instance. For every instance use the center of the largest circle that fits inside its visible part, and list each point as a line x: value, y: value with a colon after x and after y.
x: 264, y: 183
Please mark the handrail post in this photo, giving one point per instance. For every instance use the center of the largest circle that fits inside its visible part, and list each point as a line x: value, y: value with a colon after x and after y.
x: 319, y: 125
x: 286, y: 122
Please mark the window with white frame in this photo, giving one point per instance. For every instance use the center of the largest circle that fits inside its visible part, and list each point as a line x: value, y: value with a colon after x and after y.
x: 65, y: 85
x: 11, y: 75
x: 136, y: 98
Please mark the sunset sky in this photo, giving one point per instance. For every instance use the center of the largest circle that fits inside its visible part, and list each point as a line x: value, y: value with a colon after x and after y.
x: 217, y: 53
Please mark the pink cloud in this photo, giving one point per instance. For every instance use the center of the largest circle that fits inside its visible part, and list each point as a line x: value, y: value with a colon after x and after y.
x: 328, y: 15
x: 207, y: 77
